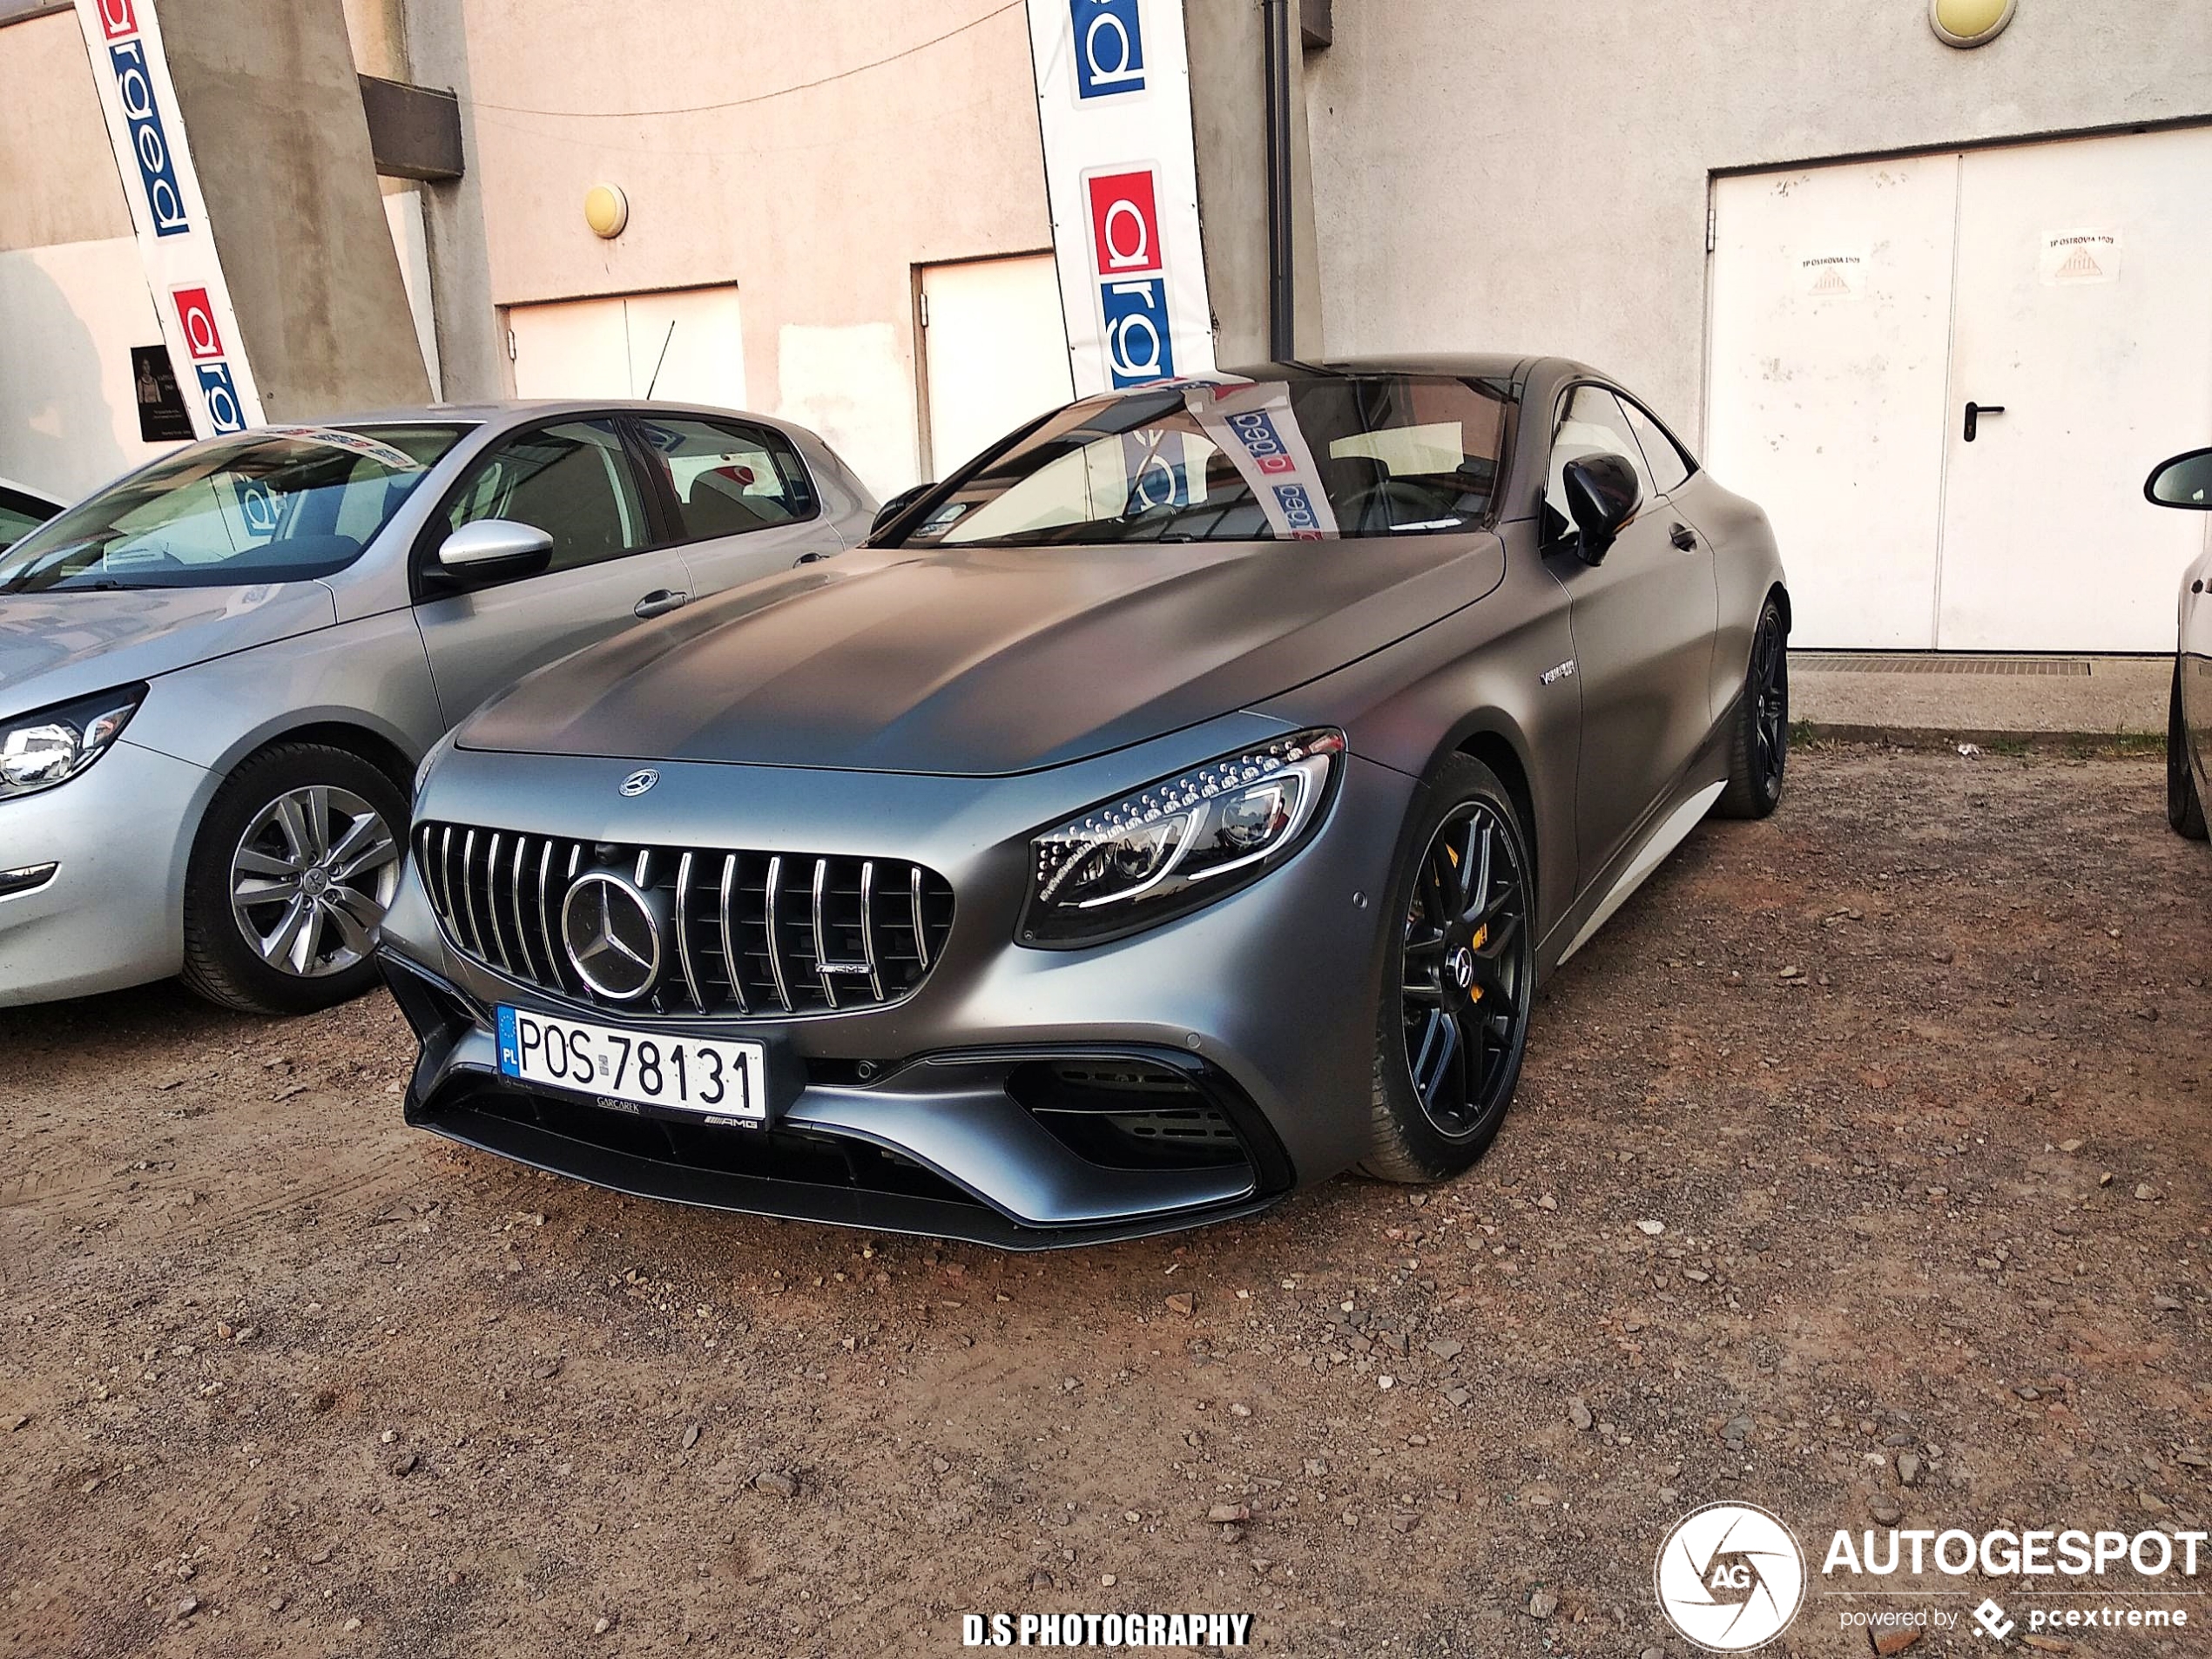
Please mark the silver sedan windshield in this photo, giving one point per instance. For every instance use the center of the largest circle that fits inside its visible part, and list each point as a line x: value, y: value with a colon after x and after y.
x: 276, y: 504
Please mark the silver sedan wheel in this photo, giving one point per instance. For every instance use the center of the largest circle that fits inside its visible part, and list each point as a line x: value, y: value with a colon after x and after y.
x: 311, y: 879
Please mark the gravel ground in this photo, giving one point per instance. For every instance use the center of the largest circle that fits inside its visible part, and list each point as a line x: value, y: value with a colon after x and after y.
x: 1870, y: 1136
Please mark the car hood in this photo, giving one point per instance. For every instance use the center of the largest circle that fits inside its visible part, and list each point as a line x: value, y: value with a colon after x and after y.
x: 59, y: 645
x: 985, y: 661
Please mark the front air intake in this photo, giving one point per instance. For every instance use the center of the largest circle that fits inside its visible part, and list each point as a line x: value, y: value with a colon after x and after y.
x: 712, y: 932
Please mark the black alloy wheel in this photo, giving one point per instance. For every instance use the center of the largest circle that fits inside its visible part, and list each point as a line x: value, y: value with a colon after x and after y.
x: 1460, y: 982
x: 1466, y: 978
x: 1760, y: 753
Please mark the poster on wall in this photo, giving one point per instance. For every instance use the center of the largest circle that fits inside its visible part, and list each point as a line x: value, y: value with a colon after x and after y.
x: 163, y: 417
x: 1122, y: 174
x: 168, y: 213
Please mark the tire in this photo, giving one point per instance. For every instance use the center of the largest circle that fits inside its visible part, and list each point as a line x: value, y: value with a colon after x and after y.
x: 1431, y: 1114
x: 1759, y: 748
x: 2184, y: 806
x: 302, y: 937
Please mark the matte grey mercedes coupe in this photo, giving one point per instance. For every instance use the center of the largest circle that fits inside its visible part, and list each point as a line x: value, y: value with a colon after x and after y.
x: 1179, y: 805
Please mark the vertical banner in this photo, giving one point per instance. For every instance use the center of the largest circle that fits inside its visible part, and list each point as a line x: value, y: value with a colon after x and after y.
x: 1121, y: 171
x: 169, y: 214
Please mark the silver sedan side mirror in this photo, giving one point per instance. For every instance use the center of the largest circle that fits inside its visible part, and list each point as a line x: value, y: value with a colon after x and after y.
x: 495, y: 549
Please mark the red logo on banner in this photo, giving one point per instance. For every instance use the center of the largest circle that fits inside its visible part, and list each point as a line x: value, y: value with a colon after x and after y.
x: 117, y: 17
x: 202, y: 339
x: 1125, y: 224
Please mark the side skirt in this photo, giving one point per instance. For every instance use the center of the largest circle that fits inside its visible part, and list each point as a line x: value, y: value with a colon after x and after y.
x: 1671, y: 831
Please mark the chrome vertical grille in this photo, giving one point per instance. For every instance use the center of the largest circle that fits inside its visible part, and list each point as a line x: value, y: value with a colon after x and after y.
x: 747, y: 933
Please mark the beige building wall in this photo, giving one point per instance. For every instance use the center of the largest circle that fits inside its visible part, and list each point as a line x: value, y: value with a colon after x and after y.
x: 818, y: 203
x: 73, y: 296
x: 57, y: 173
x: 1515, y: 176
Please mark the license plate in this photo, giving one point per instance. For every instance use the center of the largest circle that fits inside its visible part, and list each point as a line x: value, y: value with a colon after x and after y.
x: 718, y: 1081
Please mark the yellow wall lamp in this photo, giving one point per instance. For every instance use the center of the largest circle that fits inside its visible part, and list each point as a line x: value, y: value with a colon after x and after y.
x: 606, y: 210
x: 1970, y: 23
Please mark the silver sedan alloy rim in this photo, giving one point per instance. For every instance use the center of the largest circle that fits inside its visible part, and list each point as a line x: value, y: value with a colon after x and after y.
x: 311, y: 879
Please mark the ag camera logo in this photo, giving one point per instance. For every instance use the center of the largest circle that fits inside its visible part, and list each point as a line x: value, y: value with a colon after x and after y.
x: 1109, y: 47
x: 1730, y: 1577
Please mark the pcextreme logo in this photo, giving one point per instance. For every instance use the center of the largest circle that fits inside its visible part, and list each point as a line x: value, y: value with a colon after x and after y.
x: 1730, y: 1577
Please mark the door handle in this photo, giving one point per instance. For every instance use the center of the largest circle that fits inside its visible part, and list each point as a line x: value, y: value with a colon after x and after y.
x: 660, y: 602
x: 1685, y: 538
x: 1975, y: 412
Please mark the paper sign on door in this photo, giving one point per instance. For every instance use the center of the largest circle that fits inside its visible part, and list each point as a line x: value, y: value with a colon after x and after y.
x: 2081, y: 256
x: 1832, y: 276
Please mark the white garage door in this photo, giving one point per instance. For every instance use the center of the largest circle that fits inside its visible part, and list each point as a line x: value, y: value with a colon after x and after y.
x: 995, y: 349
x: 686, y: 345
x: 2065, y: 289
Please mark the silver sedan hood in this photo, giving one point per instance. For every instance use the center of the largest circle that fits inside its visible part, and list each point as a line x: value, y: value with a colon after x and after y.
x: 56, y: 646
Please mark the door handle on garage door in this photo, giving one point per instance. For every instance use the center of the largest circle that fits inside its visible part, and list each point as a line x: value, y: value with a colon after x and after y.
x: 661, y: 600
x: 1685, y: 538
x: 1975, y: 412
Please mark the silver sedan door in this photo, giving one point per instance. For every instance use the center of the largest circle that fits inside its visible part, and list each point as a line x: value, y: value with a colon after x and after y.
x: 746, y: 504
x: 614, y: 560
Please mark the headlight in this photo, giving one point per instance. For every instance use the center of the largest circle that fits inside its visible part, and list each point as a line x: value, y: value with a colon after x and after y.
x: 50, y: 746
x: 1182, y: 843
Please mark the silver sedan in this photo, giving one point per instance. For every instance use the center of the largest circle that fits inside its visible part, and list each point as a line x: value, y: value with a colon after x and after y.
x: 218, y: 673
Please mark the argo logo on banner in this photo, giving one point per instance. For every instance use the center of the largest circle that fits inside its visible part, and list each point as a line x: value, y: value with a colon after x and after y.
x: 1131, y: 269
x: 146, y: 133
x: 1109, y: 47
x: 203, y: 343
x: 149, y: 137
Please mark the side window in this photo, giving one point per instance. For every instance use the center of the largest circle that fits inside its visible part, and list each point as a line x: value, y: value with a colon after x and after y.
x: 1592, y: 423
x: 729, y: 478
x: 573, y: 480
x: 1670, y: 467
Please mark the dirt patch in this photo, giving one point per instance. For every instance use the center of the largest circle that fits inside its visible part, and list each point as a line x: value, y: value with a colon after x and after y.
x: 283, y: 1365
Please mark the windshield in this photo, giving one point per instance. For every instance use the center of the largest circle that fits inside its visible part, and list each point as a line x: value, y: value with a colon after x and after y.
x: 1306, y: 459
x: 276, y: 504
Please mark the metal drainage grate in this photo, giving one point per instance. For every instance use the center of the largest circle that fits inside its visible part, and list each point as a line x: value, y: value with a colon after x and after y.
x: 1854, y: 662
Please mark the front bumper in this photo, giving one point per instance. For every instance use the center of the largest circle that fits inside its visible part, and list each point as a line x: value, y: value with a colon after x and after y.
x: 1022, y: 1097
x: 112, y: 912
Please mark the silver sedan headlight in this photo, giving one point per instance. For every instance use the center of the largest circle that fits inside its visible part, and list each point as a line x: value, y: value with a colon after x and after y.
x: 50, y: 746
x: 1180, y: 843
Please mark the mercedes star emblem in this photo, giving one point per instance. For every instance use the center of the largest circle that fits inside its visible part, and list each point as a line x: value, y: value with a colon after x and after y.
x: 1461, y: 961
x: 612, y: 936
x: 639, y: 782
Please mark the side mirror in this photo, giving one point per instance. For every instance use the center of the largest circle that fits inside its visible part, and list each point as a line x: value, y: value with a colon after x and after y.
x: 2185, y: 482
x: 1602, y: 493
x: 896, y: 505
x: 495, y: 549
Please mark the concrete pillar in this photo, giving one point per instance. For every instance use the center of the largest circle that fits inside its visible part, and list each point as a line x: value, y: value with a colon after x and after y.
x: 260, y: 221
x: 270, y: 96
x: 472, y: 355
